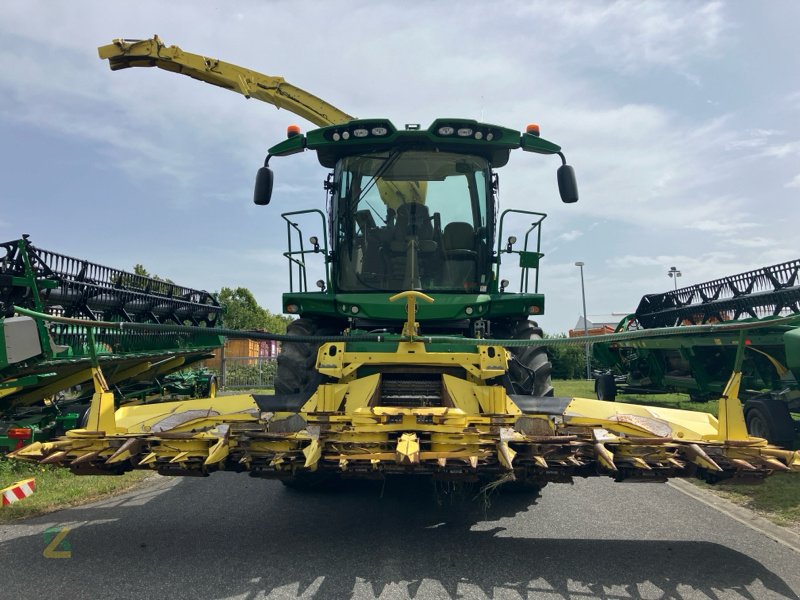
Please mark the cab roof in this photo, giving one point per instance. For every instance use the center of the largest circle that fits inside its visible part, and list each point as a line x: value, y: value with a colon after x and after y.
x: 463, y: 136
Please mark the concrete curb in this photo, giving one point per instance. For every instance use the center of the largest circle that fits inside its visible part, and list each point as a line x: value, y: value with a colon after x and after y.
x: 744, y: 515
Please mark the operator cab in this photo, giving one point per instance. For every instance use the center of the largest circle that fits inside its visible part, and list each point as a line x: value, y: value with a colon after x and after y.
x: 413, y: 209
x: 412, y: 219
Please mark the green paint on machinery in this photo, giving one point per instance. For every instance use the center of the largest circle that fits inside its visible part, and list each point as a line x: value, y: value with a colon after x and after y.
x: 416, y: 209
x: 40, y: 361
x: 699, y: 363
x: 414, y: 356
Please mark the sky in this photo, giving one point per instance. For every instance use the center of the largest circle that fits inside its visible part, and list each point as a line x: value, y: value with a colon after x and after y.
x: 681, y: 119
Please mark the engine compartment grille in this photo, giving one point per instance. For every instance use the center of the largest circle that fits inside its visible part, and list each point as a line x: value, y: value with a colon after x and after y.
x: 411, y: 390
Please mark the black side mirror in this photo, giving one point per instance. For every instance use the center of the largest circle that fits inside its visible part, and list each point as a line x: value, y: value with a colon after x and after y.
x: 567, y: 185
x: 263, y: 192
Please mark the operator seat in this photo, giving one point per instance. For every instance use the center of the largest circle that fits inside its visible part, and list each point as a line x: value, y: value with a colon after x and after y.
x: 412, y: 221
x: 461, y: 257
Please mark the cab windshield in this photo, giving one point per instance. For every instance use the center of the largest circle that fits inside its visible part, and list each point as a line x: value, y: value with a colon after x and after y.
x: 413, y: 220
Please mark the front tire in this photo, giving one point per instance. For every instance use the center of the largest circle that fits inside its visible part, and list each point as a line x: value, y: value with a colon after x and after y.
x: 296, y: 374
x: 296, y: 371
x: 529, y: 370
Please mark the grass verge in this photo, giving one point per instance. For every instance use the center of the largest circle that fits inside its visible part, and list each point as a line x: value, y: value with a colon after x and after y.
x: 58, y: 488
x: 777, y: 499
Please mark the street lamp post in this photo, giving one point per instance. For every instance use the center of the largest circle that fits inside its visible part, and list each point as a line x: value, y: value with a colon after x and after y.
x: 585, y: 322
x: 674, y: 274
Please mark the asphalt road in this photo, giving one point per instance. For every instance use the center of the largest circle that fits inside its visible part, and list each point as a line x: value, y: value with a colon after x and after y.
x: 230, y: 536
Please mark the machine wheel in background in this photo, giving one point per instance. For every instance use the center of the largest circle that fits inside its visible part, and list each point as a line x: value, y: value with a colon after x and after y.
x: 605, y: 387
x: 770, y: 419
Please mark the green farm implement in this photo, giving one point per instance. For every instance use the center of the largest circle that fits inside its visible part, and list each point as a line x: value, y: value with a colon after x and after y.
x: 699, y: 363
x: 45, y: 367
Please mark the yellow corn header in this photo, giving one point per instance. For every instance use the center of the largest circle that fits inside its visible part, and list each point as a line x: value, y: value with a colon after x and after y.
x: 467, y: 427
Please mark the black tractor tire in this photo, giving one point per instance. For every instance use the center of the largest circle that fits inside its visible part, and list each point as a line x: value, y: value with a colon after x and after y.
x: 605, y: 387
x: 296, y: 361
x: 296, y: 375
x: 529, y: 369
x: 696, y: 396
x: 770, y: 419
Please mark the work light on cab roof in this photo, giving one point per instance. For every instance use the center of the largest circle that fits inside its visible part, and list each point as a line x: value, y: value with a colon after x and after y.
x: 460, y: 137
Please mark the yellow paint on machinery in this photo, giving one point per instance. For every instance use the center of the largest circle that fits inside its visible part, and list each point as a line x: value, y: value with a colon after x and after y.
x: 274, y: 90
x: 478, y: 431
x: 463, y: 425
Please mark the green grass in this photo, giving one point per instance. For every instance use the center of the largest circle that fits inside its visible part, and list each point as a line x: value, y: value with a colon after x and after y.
x: 778, y: 498
x: 585, y: 389
x: 58, y: 488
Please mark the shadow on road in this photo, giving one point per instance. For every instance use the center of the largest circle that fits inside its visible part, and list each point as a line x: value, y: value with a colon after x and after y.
x: 247, y: 538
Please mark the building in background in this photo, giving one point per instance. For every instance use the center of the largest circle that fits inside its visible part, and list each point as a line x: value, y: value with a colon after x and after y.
x: 597, y: 324
x: 244, y: 348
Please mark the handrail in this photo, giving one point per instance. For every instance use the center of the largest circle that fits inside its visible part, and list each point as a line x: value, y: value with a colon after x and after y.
x: 523, y: 284
x: 300, y: 262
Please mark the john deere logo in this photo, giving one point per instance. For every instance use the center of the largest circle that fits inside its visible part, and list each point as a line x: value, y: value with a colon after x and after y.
x: 57, y: 544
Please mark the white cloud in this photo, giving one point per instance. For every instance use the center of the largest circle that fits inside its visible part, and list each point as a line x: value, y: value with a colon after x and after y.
x: 753, y: 242
x: 569, y: 236
x: 688, y: 263
x: 629, y: 35
x: 754, y: 138
x: 783, y: 150
x: 793, y: 100
x: 794, y: 183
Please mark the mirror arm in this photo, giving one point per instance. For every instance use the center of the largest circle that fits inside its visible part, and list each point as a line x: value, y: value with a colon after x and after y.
x: 266, y: 160
x: 561, y: 154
